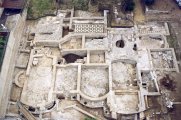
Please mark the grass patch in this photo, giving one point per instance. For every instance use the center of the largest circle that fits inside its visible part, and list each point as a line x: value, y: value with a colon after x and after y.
x: 1, y: 53
x: 89, y: 118
x: 77, y: 4
x: 2, y: 41
x: 39, y: 8
x: 171, y: 41
x: 1, y: 57
x: 80, y: 4
x: 2, y: 48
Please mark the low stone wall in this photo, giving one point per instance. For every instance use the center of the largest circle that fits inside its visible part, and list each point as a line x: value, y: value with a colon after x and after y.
x: 17, y: 23
x: 47, y: 43
x: 149, y: 11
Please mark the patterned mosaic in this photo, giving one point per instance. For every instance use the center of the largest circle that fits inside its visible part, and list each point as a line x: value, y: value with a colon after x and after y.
x: 89, y: 28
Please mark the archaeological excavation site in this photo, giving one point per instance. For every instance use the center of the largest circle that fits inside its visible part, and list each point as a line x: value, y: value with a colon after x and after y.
x: 78, y: 65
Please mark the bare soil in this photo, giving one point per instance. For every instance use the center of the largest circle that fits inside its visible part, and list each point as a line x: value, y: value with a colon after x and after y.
x: 139, y: 16
x: 165, y: 5
x: 177, y: 98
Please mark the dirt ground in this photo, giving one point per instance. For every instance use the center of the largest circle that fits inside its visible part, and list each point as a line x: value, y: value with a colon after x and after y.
x: 165, y: 5
x: 175, y: 114
x: 174, y: 20
x: 139, y: 15
x: 176, y: 39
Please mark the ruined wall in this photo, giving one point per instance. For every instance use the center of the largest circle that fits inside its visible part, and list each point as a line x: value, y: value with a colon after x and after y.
x: 16, y: 27
x: 149, y: 12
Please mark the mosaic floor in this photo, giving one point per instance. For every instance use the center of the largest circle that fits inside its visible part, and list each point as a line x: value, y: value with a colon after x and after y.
x: 89, y: 28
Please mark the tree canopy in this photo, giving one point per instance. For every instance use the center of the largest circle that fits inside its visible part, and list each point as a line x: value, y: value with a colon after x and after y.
x: 149, y: 2
x: 128, y: 5
x: 94, y: 2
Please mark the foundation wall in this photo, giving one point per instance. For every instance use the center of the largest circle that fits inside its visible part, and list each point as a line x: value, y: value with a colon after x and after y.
x: 50, y: 43
x: 6, y: 75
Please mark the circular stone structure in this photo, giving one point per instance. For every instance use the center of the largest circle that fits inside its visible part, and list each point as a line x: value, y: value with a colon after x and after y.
x: 120, y: 43
x: 20, y: 78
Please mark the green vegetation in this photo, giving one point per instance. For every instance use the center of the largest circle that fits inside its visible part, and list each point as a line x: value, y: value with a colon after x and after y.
x: 1, y: 56
x: 38, y: 8
x: 171, y: 41
x: 102, y: 7
x: 94, y: 2
x: 2, y: 41
x: 149, y: 2
x: 89, y: 118
x: 80, y: 4
x: 128, y: 5
x: 2, y: 48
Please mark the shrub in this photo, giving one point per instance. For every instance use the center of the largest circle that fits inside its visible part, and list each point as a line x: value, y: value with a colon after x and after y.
x: 80, y: 4
x: 2, y: 42
x: 93, y: 2
x: 149, y: 2
x: 102, y: 7
x: 38, y: 8
x: 128, y: 5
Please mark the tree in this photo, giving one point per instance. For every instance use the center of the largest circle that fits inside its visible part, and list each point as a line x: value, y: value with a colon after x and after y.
x: 80, y: 4
x: 149, y: 2
x: 93, y: 2
x: 128, y: 5
x: 59, y: 1
x: 102, y: 7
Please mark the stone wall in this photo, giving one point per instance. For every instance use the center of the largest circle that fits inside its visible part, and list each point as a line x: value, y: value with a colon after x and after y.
x: 16, y: 25
x: 149, y: 11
